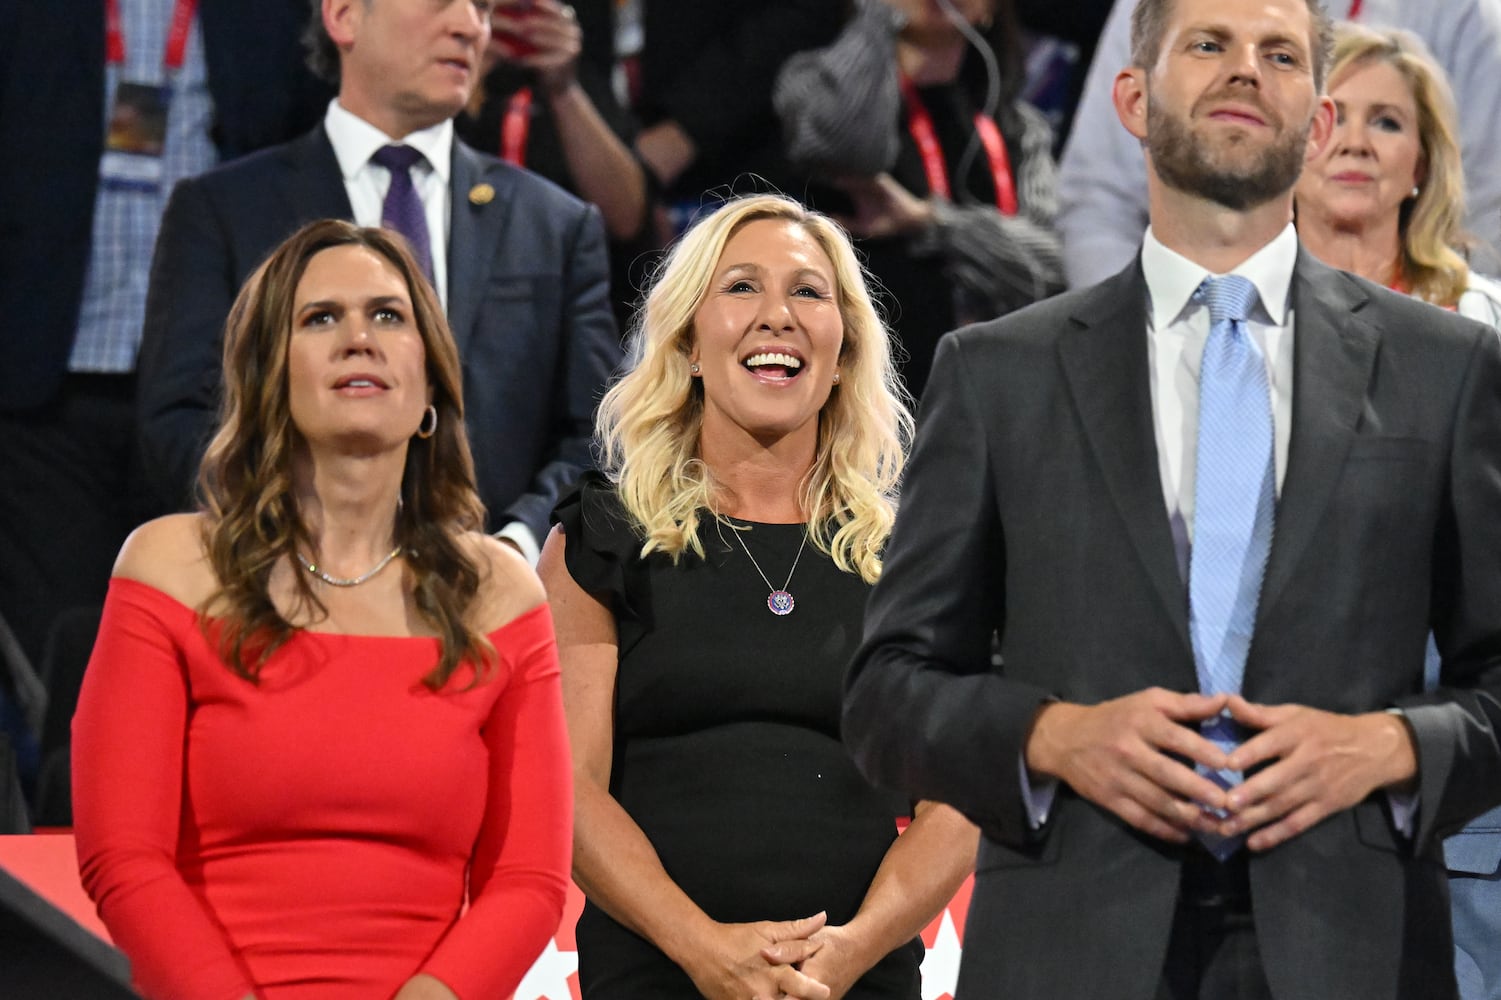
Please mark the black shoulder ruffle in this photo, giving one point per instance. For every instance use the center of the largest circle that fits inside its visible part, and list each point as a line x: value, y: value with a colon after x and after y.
x: 602, y: 548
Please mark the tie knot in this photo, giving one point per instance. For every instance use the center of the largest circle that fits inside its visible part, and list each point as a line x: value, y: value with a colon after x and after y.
x: 396, y: 158
x: 1229, y: 298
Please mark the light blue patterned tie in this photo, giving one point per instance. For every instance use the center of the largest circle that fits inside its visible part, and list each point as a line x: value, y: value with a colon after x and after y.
x: 1234, y: 507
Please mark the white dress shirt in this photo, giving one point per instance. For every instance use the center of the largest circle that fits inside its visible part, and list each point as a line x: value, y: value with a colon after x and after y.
x: 1177, y: 328
x: 356, y: 140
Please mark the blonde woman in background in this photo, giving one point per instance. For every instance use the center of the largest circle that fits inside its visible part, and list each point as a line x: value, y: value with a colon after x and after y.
x: 708, y: 595
x: 1385, y: 198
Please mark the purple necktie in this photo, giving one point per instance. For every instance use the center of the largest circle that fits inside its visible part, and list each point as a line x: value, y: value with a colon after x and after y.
x: 402, y: 210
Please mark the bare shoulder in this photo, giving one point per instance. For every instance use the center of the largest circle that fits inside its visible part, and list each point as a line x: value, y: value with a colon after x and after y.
x: 579, y: 618
x: 552, y: 568
x: 168, y: 555
x: 509, y: 586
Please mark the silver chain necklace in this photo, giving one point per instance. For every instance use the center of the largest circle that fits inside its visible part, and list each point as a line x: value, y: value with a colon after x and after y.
x: 779, y: 601
x: 349, y: 581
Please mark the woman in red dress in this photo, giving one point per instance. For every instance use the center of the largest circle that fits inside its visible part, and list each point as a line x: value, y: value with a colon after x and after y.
x: 320, y: 750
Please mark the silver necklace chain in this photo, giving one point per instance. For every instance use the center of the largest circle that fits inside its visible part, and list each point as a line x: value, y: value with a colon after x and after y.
x: 778, y: 601
x: 351, y: 581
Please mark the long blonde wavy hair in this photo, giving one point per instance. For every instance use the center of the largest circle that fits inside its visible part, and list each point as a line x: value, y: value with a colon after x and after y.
x: 1430, y: 226
x: 251, y: 520
x: 649, y: 422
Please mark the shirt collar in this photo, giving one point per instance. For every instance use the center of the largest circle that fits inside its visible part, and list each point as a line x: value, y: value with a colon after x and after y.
x: 356, y: 140
x: 1172, y: 278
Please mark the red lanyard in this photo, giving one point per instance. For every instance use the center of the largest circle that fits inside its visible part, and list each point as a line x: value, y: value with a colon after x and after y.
x: 177, y: 34
x: 920, y: 124
x: 516, y: 126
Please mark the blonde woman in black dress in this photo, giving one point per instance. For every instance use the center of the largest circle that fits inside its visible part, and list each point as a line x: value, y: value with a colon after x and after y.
x: 708, y: 593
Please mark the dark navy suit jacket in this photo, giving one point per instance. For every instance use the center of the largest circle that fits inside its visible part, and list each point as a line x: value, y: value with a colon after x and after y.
x: 528, y: 300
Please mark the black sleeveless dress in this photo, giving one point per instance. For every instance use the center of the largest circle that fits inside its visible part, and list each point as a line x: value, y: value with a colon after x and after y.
x: 727, y: 750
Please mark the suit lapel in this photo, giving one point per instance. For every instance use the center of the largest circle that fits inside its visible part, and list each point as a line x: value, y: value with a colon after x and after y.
x: 315, y: 185
x: 1104, y: 358
x: 1333, y: 353
x: 479, y: 200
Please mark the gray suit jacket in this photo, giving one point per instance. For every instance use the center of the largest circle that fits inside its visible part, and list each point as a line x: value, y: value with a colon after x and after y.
x: 528, y: 301
x: 1033, y: 508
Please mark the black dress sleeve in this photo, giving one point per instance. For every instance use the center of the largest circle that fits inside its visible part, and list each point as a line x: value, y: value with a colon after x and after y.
x: 602, y: 550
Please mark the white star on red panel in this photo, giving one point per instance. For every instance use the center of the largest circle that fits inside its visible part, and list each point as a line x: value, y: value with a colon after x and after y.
x: 554, y: 976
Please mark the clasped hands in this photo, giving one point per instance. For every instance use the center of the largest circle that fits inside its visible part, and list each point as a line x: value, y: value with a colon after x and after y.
x: 774, y: 959
x: 1135, y: 756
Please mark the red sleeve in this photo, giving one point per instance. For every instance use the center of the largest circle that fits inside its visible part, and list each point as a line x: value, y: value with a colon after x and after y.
x: 518, y: 877
x: 128, y: 741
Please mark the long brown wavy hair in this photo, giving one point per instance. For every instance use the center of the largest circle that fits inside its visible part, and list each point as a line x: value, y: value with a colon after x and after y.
x: 251, y: 519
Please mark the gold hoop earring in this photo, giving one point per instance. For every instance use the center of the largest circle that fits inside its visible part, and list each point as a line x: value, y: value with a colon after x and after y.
x: 429, y: 425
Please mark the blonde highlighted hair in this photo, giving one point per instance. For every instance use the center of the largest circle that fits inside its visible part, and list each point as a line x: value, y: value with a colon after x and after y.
x: 1430, y: 226
x: 649, y: 422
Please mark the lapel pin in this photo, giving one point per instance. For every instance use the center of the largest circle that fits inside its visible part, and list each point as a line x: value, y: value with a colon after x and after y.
x: 481, y: 194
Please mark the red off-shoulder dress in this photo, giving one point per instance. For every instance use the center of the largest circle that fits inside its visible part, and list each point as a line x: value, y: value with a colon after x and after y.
x: 318, y: 835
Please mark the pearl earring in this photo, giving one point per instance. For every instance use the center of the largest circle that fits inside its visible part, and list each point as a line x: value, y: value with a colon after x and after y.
x: 836, y: 378
x: 1415, y: 191
x: 693, y: 368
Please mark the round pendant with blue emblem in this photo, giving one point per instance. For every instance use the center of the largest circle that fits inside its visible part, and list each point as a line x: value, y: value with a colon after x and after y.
x: 780, y: 602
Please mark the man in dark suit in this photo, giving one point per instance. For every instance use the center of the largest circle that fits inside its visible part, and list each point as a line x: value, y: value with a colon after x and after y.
x: 75, y: 244
x: 1152, y: 828
x: 522, y: 270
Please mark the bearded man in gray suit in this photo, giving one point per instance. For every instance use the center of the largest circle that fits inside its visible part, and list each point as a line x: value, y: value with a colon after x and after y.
x: 1211, y: 508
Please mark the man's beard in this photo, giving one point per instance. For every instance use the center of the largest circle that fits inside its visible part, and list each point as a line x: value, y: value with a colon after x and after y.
x: 1187, y: 162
